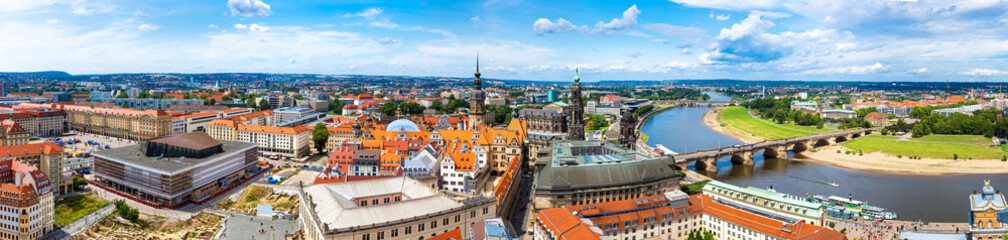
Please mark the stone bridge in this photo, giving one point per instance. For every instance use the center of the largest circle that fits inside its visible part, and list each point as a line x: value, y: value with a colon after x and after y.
x: 743, y: 153
x: 698, y: 103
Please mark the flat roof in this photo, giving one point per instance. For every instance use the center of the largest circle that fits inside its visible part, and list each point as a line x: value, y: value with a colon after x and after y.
x: 132, y: 155
x: 336, y: 205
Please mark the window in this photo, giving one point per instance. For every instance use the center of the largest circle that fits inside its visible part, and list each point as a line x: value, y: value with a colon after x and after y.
x: 458, y: 218
x: 395, y: 232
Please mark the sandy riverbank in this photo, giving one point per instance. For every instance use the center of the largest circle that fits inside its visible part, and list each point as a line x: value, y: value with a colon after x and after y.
x: 876, y: 161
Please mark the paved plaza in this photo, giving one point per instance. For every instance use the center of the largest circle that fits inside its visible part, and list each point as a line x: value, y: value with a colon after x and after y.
x: 240, y: 226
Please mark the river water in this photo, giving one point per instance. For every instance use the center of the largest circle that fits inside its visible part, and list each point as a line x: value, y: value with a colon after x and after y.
x: 926, y: 198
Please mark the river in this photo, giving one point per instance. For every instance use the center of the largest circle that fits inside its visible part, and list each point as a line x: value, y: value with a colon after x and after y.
x: 926, y: 198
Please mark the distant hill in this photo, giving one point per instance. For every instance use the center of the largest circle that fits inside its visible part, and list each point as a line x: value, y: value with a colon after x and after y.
x: 37, y: 74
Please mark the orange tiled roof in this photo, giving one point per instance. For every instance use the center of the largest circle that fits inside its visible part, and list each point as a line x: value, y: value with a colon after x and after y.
x: 272, y: 129
x: 561, y: 220
x: 454, y: 234
x: 46, y: 148
x: 798, y: 231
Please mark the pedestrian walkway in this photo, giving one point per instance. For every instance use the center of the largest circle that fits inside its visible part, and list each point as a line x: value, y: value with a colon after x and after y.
x: 241, y: 226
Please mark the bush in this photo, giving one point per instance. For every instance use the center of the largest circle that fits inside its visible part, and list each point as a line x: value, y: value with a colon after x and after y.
x: 832, y: 224
x: 694, y: 188
x: 899, y: 156
x: 127, y: 212
x: 955, y: 156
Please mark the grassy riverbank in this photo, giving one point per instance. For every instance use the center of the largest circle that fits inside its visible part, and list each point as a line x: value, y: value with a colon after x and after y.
x: 737, y: 119
x: 937, y: 147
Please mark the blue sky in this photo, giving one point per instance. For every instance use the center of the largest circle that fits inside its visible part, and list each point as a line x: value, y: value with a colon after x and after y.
x: 885, y: 40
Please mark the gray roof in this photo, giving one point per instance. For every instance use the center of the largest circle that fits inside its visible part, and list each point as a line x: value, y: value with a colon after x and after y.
x: 538, y: 112
x: 621, y: 167
x: 336, y: 207
x: 132, y: 155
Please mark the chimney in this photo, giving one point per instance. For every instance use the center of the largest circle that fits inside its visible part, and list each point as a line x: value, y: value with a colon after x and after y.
x: 17, y: 177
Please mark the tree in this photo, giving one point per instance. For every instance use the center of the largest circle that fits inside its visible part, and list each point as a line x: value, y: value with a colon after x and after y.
x: 320, y: 136
x: 143, y: 94
x: 865, y: 111
x: 210, y: 101
x: 454, y: 105
x: 389, y: 108
x: 77, y: 182
x: 227, y: 98
x: 124, y: 105
x: 436, y: 105
x: 122, y: 94
x: 263, y: 105
x: 250, y: 103
x: 411, y: 108
x: 337, y: 106
x: 502, y: 114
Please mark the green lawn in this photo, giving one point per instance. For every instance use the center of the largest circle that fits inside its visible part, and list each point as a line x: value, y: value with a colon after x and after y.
x: 737, y: 117
x: 955, y: 138
x: 925, y: 149
x: 70, y: 209
x: 882, y: 136
x: 867, y: 144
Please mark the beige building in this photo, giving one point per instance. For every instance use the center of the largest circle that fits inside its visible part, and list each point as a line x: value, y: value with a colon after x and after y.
x: 123, y: 123
x: 290, y: 142
x: 47, y: 157
x: 385, y: 208
x: 12, y: 133
x: 39, y: 121
x: 27, y: 202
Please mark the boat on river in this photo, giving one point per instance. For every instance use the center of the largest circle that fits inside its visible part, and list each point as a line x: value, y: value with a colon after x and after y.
x: 848, y: 208
x: 664, y: 150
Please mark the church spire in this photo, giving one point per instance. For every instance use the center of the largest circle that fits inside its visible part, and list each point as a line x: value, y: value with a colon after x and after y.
x: 477, y: 74
x: 577, y: 76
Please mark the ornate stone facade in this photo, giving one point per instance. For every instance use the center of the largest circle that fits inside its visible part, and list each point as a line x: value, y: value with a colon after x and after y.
x: 576, y: 112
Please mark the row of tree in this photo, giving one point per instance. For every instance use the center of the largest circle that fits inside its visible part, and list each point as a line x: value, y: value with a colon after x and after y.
x: 780, y: 111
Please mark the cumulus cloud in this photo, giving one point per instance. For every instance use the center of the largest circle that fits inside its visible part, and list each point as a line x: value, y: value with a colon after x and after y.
x: 543, y: 26
x: 984, y: 72
x: 52, y: 21
x: 369, y: 13
x: 848, y: 70
x: 249, y: 8
x: 251, y: 28
x: 747, y: 41
x: 387, y: 41
x: 213, y: 26
x: 475, y: 19
x: 675, y: 31
x: 147, y: 27
x: 617, y: 25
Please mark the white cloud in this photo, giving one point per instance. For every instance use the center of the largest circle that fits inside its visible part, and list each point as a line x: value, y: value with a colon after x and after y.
x: 251, y: 28
x: 52, y: 21
x: 81, y: 10
x: 147, y: 27
x: 617, y: 25
x: 848, y: 70
x: 387, y: 41
x: 728, y: 4
x: 249, y: 8
x: 675, y: 31
x: 722, y: 17
x: 369, y: 13
x: 475, y: 19
x: 543, y: 26
x: 918, y: 71
x: 141, y: 14
x: 213, y: 26
x: 984, y: 72
x: 633, y: 54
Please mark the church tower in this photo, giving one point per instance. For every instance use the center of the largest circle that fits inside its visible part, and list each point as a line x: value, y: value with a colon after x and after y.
x: 576, y: 125
x: 477, y: 114
x: 628, y: 131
